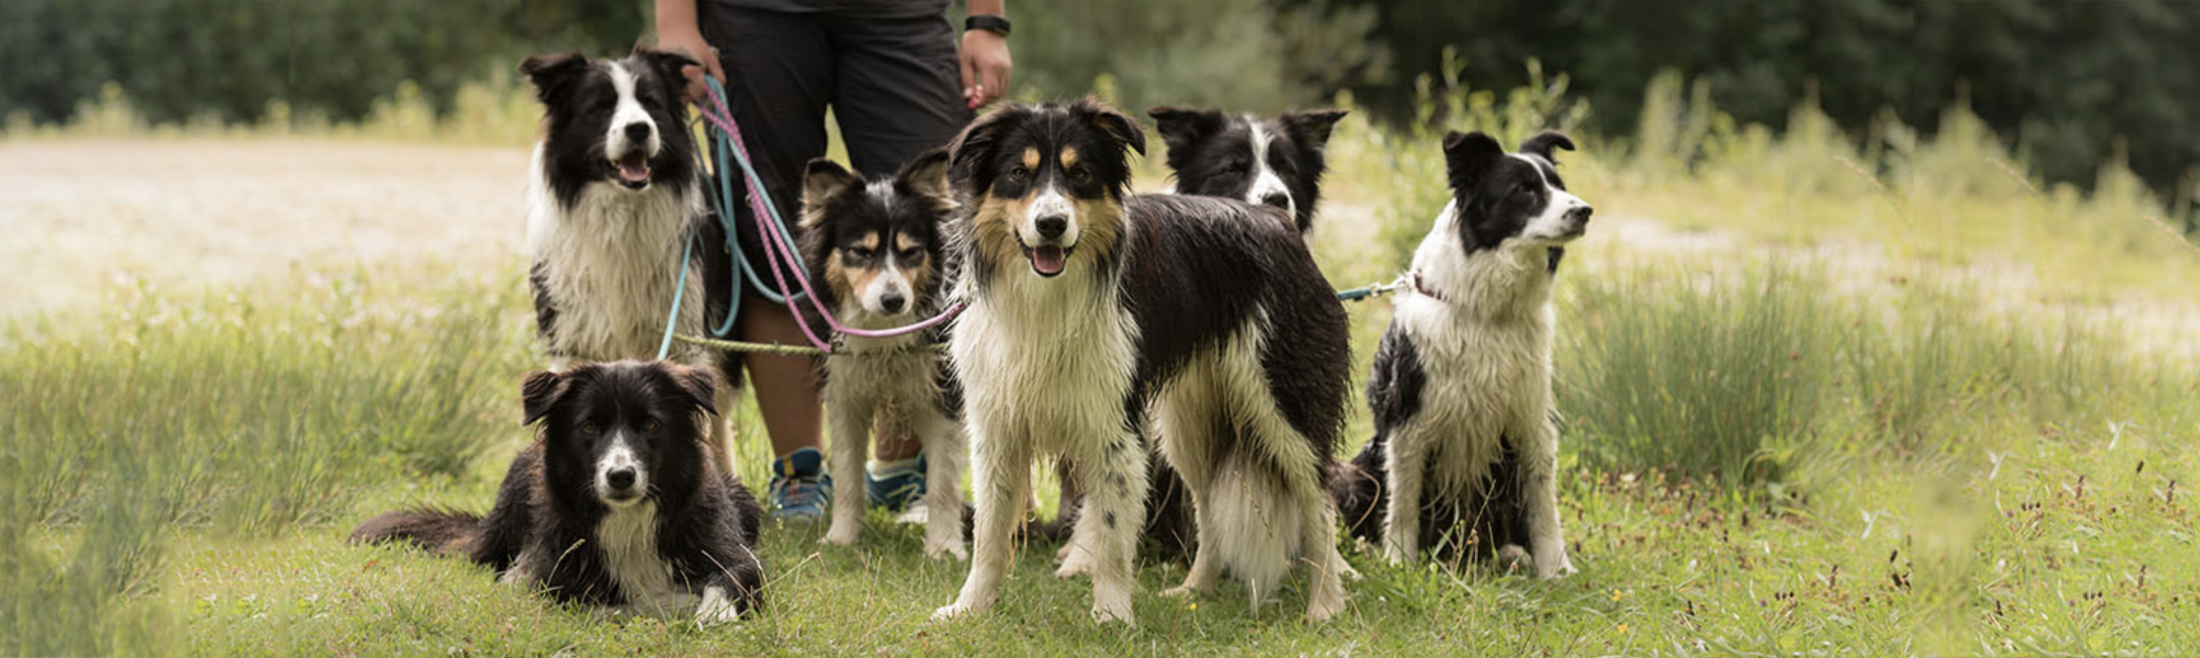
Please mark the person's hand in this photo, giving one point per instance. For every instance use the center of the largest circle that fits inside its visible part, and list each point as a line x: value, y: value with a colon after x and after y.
x: 690, y: 43
x: 985, y: 67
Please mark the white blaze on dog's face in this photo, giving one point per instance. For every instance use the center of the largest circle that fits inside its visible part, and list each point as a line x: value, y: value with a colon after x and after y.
x: 876, y: 244
x: 1049, y: 181
x: 630, y: 139
x: 621, y: 477
x: 1505, y: 200
x: 1267, y: 187
x: 620, y: 122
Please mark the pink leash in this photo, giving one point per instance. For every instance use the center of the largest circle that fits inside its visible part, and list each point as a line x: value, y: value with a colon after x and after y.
x: 779, y: 252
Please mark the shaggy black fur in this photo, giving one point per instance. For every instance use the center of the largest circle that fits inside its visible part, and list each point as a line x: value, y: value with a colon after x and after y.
x: 707, y: 522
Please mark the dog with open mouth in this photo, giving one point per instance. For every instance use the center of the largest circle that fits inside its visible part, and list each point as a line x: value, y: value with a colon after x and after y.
x: 615, y: 504
x: 614, y: 197
x: 879, y: 247
x: 1093, y: 312
x: 1465, y: 450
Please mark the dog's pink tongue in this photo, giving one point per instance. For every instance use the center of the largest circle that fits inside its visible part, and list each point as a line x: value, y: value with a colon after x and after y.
x: 634, y: 170
x: 1047, y: 260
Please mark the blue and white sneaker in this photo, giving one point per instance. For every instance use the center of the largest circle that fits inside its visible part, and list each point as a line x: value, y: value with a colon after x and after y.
x: 800, y: 489
x: 895, y: 487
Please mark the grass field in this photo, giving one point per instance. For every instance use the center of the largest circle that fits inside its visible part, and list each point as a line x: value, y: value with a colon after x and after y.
x: 1820, y: 399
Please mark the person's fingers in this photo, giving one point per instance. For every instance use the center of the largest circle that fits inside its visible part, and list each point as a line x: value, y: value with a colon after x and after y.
x: 1000, y: 80
x: 717, y: 68
x: 969, y: 77
x: 696, y: 89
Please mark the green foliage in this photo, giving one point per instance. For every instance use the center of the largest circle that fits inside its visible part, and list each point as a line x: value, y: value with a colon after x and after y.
x: 1245, y: 55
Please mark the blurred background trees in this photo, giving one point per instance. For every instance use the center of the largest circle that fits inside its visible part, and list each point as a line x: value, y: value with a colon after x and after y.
x: 2067, y: 85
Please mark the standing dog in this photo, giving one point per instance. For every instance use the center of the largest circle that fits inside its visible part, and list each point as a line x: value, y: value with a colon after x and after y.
x: 877, y: 245
x: 1277, y: 162
x: 613, y: 198
x: 616, y: 504
x: 1086, y: 305
x: 1461, y: 388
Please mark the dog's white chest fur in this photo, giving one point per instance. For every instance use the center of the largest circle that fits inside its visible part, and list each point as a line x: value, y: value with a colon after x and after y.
x: 1485, y: 348
x: 1026, y: 351
x: 628, y: 539
x: 608, y: 265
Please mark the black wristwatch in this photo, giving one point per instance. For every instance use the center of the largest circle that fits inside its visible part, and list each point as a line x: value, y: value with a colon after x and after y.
x: 988, y: 22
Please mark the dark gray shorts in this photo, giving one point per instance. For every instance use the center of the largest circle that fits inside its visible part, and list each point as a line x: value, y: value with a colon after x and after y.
x: 894, y: 84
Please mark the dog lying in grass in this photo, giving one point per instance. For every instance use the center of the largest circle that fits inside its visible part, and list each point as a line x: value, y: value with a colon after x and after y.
x: 617, y: 504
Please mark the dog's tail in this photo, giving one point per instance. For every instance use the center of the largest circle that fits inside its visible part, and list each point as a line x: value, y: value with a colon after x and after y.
x: 442, y: 531
x: 1255, y: 514
x: 1356, y: 487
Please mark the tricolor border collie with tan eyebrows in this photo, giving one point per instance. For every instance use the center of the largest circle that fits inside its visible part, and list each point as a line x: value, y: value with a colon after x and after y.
x: 617, y: 502
x: 613, y: 198
x: 878, y: 245
x: 1087, y: 306
x: 1271, y: 161
x: 1466, y: 445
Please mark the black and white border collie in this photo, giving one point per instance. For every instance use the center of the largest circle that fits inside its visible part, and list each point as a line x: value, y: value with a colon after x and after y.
x: 878, y: 246
x: 616, y: 504
x: 1087, y: 305
x: 1277, y: 162
x: 613, y: 197
x: 1465, y: 444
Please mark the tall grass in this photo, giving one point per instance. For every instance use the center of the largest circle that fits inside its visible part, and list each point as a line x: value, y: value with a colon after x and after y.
x: 226, y: 416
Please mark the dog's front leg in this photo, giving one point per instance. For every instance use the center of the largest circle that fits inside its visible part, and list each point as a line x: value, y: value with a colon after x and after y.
x: 1408, y: 463
x: 944, y: 452
x: 1113, y: 478
x: 1001, y: 473
x: 1539, y: 466
x: 851, y: 422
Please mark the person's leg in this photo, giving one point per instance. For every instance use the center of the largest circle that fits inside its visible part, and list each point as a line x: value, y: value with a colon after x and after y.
x: 779, y: 78
x: 896, y: 93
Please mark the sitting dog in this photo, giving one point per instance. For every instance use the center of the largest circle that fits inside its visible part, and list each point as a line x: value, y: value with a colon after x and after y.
x: 877, y: 245
x: 1086, y: 305
x: 616, y: 504
x: 1465, y: 440
x: 613, y: 199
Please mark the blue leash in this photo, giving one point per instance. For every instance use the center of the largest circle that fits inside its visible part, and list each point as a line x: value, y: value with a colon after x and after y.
x: 743, y: 268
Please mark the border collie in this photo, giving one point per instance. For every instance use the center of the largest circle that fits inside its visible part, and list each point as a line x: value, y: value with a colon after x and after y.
x: 1277, y: 162
x: 615, y: 504
x: 1466, y: 443
x: 613, y: 197
x: 877, y: 245
x: 1272, y: 161
x: 1086, y: 305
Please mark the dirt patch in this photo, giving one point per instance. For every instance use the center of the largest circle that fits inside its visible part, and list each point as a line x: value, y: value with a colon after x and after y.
x: 79, y: 215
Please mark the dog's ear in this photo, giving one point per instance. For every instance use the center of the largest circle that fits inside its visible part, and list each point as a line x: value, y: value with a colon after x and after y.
x: 1311, y: 128
x: 824, y: 180
x: 698, y: 385
x: 976, y: 143
x: 926, y: 176
x: 1468, y: 156
x: 1181, y: 127
x: 667, y: 65
x: 554, y: 74
x: 1116, y: 124
x: 539, y: 393
x: 1542, y: 143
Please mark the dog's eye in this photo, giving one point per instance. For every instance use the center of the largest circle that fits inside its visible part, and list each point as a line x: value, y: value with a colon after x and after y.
x: 1018, y: 174
x: 590, y: 427
x: 861, y: 253
x: 649, y: 425
x: 911, y: 255
x: 1234, y: 168
x: 1080, y: 174
x: 1523, y: 190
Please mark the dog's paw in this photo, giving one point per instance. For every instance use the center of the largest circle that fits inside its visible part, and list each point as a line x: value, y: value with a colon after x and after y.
x: 1553, y: 566
x: 715, y: 609
x: 1397, y: 557
x: 1345, y: 569
x: 942, y: 550
x: 843, y: 534
x: 1113, y: 611
x: 1181, y: 591
x: 956, y: 610
x: 1322, y: 608
x: 1077, y: 563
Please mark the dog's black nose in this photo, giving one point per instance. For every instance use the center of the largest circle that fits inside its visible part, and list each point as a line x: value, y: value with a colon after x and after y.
x: 1052, y: 226
x: 1580, y: 214
x: 1277, y: 199
x: 892, y: 301
x: 637, y: 131
x: 620, y: 478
